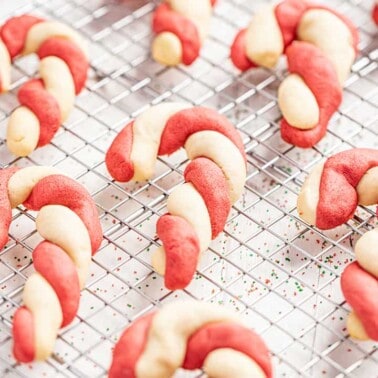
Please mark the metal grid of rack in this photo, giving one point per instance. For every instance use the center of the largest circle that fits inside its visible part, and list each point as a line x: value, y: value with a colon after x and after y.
x: 282, y: 275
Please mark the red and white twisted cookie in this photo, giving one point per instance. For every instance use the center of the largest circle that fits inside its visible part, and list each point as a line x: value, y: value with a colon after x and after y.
x: 320, y: 45
x: 329, y: 197
x: 48, y: 101
x: 198, y: 209
x: 333, y: 190
x: 181, y: 27
x: 191, y: 335
x: 359, y: 282
x: 68, y: 221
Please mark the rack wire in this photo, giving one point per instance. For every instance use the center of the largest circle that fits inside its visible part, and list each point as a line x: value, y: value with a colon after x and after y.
x: 279, y: 273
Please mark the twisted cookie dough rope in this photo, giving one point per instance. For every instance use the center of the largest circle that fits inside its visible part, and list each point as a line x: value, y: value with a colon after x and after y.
x: 319, y: 62
x: 215, y: 179
x: 329, y: 197
x: 191, y: 335
x: 48, y: 101
x: 68, y: 221
x: 333, y: 190
x: 181, y: 27
x: 359, y: 282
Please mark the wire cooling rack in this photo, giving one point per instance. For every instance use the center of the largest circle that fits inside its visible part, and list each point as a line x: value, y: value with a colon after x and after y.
x: 282, y: 275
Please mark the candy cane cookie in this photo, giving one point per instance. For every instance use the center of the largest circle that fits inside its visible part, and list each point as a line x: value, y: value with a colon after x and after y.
x: 320, y: 45
x: 328, y: 198
x: 69, y: 223
x: 214, y: 179
x: 359, y: 283
x: 333, y: 190
x: 181, y: 27
x: 191, y: 335
x: 48, y: 101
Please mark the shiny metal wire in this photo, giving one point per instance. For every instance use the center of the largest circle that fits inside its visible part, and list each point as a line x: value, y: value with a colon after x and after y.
x: 281, y: 274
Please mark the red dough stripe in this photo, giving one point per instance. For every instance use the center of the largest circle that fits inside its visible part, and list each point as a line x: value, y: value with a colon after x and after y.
x: 23, y: 335
x: 44, y: 105
x: 129, y: 348
x: 61, y: 190
x: 14, y: 31
x: 337, y: 193
x: 238, y: 52
x: 226, y: 335
x: 375, y: 14
x: 288, y: 14
x: 118, y: 157
x: 205, y: 176
x: 317, y: 71
x: 71, y: 55
x: 60, y: 272
x: 182, y: 249
x: 189, y: 121
x: 167, y: 20
x: 361, y: 291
